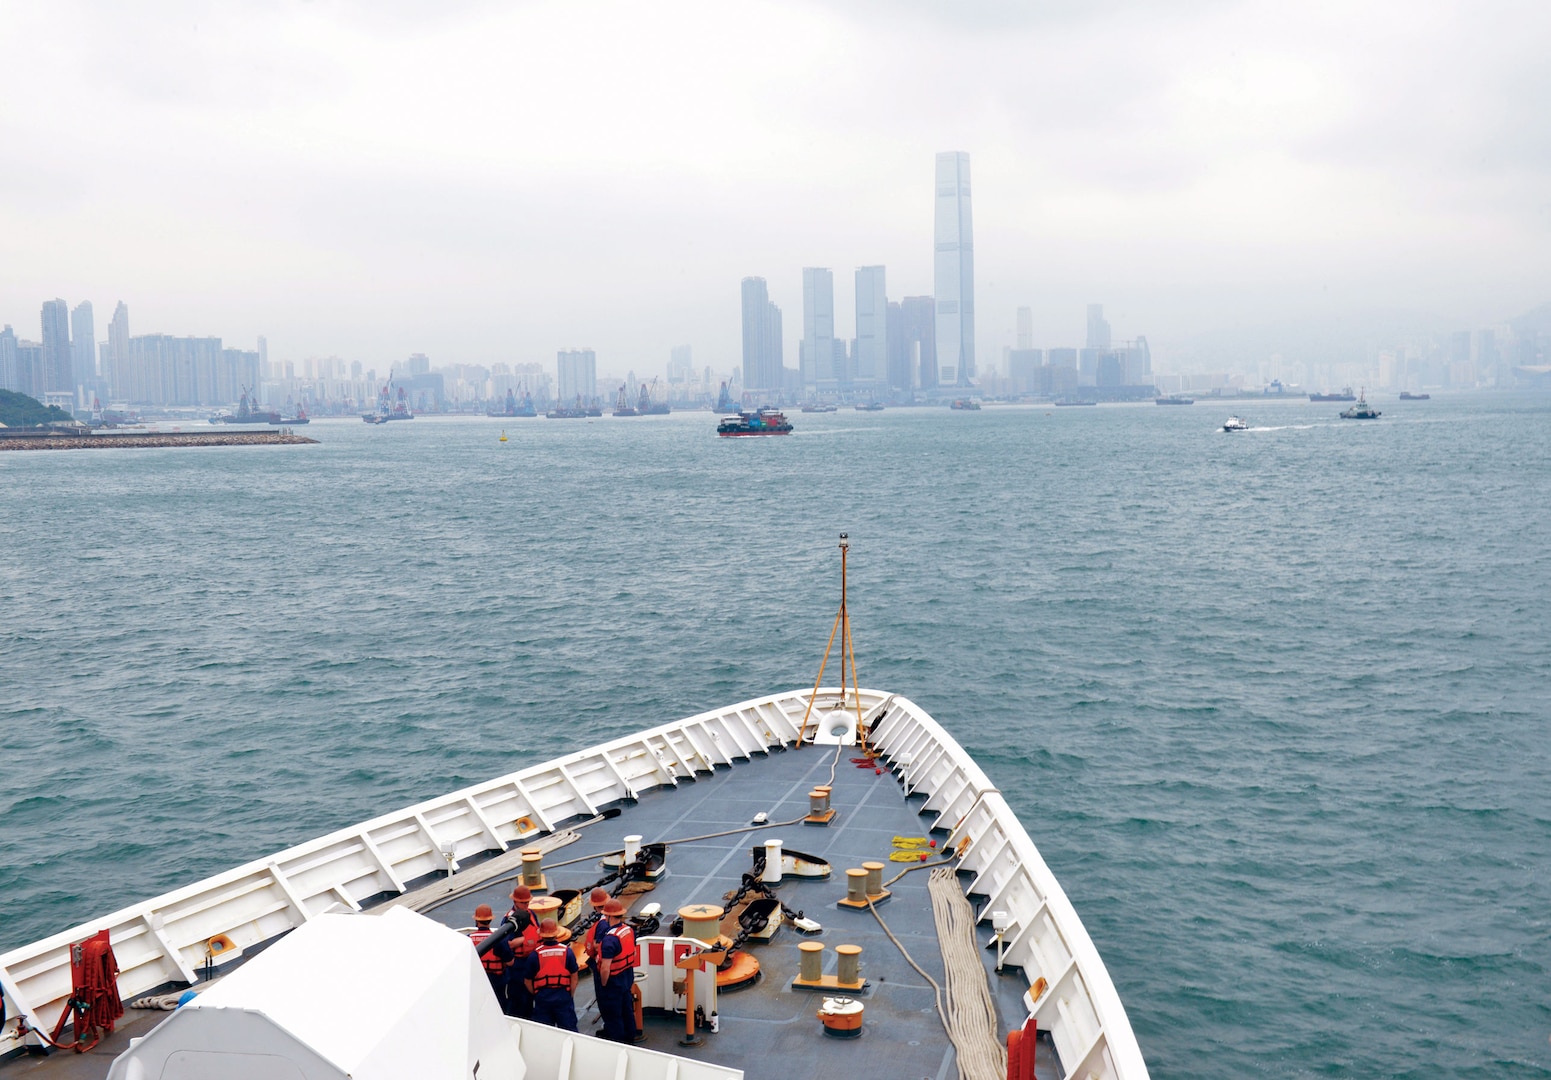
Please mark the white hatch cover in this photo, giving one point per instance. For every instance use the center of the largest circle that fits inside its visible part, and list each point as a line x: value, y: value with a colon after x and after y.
x: 392, y: 998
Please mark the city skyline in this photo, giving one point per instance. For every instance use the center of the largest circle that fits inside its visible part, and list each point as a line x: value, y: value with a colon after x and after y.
x: 1236, y: 167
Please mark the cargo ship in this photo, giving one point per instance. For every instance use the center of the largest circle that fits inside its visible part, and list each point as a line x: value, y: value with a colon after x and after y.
x: 1344, y: 395
x: 927, y: 937
x: 248, y: 412
x: 759, y: 422
x: 1406, y: 395
x: 1172, y: 400
x: 514, y: 408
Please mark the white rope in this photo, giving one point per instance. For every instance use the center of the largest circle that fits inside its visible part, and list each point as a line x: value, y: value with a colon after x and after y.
x: 970, y: 1015
x: 971, y: 1011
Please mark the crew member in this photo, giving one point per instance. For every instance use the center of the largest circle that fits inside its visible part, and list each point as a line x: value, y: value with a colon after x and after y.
x: 616, y: 973
x: 498, y: 959
x: 524, y: 941
x: 550, y: 975
x: 596, y: 899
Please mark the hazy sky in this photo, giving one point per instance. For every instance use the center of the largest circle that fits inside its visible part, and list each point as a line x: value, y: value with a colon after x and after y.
x: 493, y: 181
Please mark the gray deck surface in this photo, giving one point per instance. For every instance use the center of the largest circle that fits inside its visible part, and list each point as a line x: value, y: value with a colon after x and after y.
x: 768, y: 1029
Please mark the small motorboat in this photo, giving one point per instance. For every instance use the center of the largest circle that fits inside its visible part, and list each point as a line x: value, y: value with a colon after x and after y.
x: 1233, y: 423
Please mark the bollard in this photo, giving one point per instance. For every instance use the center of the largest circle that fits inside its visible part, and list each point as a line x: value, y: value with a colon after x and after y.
x: 702, y: 922
x: 772, y: 874
x: 546, y: 907
x: 856, y: 887
x: 810, y: 967
x: 874, y: 878
x: 533, y: 868
x: 818, y: 801
x: 849, y: 971
x: 632, y: 849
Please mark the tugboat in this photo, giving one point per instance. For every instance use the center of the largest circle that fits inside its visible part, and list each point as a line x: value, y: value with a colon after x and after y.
x: 761, y: 422
x: 1233, y: 423
x: 1361, y: 411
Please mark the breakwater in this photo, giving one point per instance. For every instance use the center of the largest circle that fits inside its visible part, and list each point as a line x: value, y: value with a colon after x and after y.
x: 143, y: 439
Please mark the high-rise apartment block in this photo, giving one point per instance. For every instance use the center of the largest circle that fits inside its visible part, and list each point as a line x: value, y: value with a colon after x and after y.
x: 818, y: 330
x: 762, y: 368
x: 681, y: 364
x: 954, y: 271
x: 56, y: 346
x: 8, y: 374
x: 1025, y: 328
x: 1098, y: 328
x: 115, y: 370
x: 83, y: 343
x: 872, y: 330
x: 576, y: 375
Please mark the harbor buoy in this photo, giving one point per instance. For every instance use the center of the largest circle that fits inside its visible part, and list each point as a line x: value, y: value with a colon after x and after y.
x: 503, y: 434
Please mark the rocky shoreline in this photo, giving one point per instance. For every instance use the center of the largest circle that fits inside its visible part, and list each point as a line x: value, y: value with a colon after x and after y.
x: 140, y: 439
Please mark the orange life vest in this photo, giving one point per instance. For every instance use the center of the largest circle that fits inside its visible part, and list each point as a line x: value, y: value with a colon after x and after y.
x: 490, y: 961
x: 525, y: 941
x: 629, y: 955
x: 552, y: 967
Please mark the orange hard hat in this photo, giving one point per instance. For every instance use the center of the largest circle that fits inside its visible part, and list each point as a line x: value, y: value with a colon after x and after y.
x: 613, y: 907
x: 483, y: 913
x: 598, y: 897
x: 522, y: 894
x: 549, y: 928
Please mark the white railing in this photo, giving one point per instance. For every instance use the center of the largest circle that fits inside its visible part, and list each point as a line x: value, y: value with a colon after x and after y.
x: 552, y: 1054
x: 1078, y: 1005
x: 164, y: 940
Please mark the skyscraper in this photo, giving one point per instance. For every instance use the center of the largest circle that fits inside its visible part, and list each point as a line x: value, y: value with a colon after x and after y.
x: 918, y: 314
x: 761, y: 338
x: 56, y: 346
x: 1098, y: 328
x: 83, y: 339
x: 9, y: 378
x: 576, y: 372
x: 818, y: 329
x: 1025, y: 328
x: 116, y: 372
x: 872, y: 329
x: 954, y: 271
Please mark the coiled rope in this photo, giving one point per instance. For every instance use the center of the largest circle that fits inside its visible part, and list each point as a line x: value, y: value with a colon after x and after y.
x: 970, y: 1015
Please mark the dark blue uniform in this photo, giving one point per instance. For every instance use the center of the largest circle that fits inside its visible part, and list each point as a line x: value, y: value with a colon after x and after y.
x: 551, y: 969
x: 616, y: 953
x: 519, y: 1002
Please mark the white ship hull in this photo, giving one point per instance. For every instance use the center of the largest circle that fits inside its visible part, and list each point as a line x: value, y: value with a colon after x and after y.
x: 164, y: 940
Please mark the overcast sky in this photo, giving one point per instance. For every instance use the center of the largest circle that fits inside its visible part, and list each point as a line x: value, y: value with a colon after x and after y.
x: 495, y: 181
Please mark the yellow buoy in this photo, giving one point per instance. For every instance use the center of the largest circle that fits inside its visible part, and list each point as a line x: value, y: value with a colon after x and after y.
x: 503, y: 434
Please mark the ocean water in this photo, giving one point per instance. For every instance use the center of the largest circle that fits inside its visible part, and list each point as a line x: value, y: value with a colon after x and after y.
x: 1273, y: 705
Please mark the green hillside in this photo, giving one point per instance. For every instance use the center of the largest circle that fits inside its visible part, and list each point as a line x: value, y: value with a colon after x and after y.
x: 19, y: 410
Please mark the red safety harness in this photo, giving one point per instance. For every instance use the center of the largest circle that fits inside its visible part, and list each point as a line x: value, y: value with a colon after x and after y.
x: 552, y: 967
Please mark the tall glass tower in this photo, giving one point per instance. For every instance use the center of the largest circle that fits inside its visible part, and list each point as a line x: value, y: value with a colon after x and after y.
x: 955, y: 271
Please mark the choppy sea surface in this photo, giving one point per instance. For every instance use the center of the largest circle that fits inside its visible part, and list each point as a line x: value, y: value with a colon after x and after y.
x: 1274, y: 705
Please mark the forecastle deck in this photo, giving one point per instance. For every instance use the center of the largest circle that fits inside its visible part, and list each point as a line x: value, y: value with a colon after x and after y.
x: 735, y: 758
